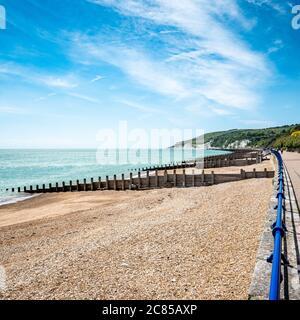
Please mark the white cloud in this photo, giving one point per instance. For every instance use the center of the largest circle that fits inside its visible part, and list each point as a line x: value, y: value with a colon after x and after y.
x: 46, y: 97
x: 55, y: 82
x: 273, y: 4
x: 97, y: 78
x: 257, y: 123
x: 277, y: 45
x: 13, y: 110
x: 84, y: 97
x: 31, y: 75
x: 202, y: 57
x: 139, y: 106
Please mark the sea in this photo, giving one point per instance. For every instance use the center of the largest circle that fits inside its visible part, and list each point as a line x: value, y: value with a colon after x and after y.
x: 26, y: 167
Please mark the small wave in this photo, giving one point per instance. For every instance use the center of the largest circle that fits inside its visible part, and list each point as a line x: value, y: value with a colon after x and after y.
x: 10, y: 199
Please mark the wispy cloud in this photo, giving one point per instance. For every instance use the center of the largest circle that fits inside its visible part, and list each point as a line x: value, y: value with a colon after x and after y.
x: 84, y: 97
x: 139, y: 106
x: 97, y: 78
x: 204, y: 59
x: 63, y: 83
x: 46, y: 97
x: 277, y: 45
x: 31, y: 75
x: 279, y: 6
x: 257, y: 123
x: 13, y: 110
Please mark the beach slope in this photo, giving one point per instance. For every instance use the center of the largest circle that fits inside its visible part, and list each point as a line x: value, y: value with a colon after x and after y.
x: 195, y: 243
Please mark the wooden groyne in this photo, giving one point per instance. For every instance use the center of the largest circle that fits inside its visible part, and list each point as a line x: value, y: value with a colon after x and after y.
x: 238, y: 158
x: 149, y: 178
x: 151, y: 181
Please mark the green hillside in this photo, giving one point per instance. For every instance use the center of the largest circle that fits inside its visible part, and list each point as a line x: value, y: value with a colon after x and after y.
x: 285, y: 136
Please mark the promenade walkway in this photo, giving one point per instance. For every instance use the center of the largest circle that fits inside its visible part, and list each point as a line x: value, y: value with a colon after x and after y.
x: 292, y: 162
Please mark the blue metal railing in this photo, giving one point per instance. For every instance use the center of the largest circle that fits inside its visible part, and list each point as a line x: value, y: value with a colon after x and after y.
x: 278, y: 233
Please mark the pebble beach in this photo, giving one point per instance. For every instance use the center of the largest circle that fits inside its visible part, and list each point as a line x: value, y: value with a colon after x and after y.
x: 195, y: 243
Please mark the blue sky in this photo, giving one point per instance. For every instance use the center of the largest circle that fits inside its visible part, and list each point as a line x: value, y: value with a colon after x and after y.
x: 70, y: 68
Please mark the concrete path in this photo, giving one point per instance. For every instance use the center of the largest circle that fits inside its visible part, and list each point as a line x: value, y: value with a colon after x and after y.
x: 292, y: 162
x: 290, y: 287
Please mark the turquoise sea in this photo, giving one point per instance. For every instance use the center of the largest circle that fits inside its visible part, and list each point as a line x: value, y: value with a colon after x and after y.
x: 19, y: 168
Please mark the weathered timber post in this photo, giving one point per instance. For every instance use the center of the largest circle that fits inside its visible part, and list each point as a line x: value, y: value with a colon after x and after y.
x: 92, y: 184
x: 175, y: 178
x: 165, y: 177
x: 107, y: 182
x: 77, y: 185
x: 44, y: 188
x: 56, y: 186
x: 24, y: 189
x: 99, y: 183
x: 203, y: 177
x: 266, y: 173
x: 71, y: 186
x: 148, y: 179
x: 63, y: 186
x: 123, y: 182
x: 130, y: 181
x: 19, y: 189
x: 260, y: 157
x: 115, y: 182
x: 212, y: 177
x: 183, y: 178
x: 254, y: 173
x: 50, y: 187
x: 193, y: 178
x: 156, y: 179
x: 31, y: 188
x: 84, y: 184
x: 139, y: 180
x: 242, y: 174
x: 13, y: 190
